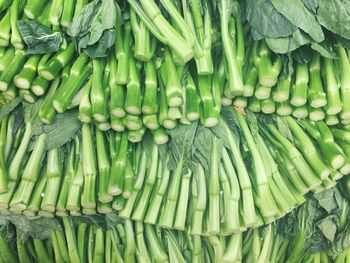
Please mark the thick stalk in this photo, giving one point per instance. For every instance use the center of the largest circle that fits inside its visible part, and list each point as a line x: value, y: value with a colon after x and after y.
x: 30, y: 176
x: 344, y: 82
x: 88, y: 198
x: 332, y: 89
x: 98, y: 95
x: 24, y: 78
x: 53, y: 184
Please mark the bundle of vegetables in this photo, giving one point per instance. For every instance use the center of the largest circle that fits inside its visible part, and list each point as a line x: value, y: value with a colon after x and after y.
x: 315, y: 88
x: 316, y: 232
x: 135, y: 65
x: 240, y: 174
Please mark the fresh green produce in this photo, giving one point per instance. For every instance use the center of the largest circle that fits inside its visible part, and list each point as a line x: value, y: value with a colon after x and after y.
x: 204, y: 181
x: 135, y: 69
x: 315, y: 232
x: 174, y: 131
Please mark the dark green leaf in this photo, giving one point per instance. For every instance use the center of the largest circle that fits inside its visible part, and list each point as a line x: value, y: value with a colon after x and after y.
x: 81, y: 23
x: 326, y: 200
x: 287, y: 226
x: 38, y: 38
x: 335, y: 16
x: 256, y: 36
x: 299, y: 15
x: 325, y: 49
x: 180, y: 146
x: 266, y: 20
x: 62, y: 130
x: 328, y: 227
x: 100, y: 49
x: 341, y: 242
x: 306, y: 216
x: 203, y: 142
x: 97, y: 220
x: 288, y: 44
x: 303, y: 54
x: 106, y: 18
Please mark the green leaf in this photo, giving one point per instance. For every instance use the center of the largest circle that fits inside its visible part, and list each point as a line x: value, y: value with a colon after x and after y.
x: 105, y: 18
x: 288, y: 44
x: 35, y: 227
x: 97, y: 220
x: 335, y: 16
x: 302, y: 55
x: 341, y: 242
x: 9, y: 107
x: 38, y: 38
x: 311, y: 5
x: 203, y: 142
x: 325, y: 49
x: 62, y: 130
x: 326, y: 200
x: 299, y: 15
x: 81, y: 23
x: 266, y: 20
x: 328, y: 227
x: 306, y: 217
x: 100, y: 49
x: 180, y: 146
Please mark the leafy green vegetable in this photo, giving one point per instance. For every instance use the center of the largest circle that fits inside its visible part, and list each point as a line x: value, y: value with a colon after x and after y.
x: 297, y: 13
x: 284, y: 45
x: 38, y: 38
x: 105, y: 18
x: 180, y: 146
x: 94, y: 27
x: 267, y: 21
x: 100, y: 48
x: 335, y: 16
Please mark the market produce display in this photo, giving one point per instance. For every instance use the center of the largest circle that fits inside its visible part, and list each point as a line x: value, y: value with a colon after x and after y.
x: 174, y: 131
x: 315, y: 232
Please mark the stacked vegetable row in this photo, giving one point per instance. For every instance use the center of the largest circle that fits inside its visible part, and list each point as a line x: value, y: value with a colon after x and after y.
x: 198, y: 182
x: 148, y: 79
x: 303, y: 235
x: 317, y: 89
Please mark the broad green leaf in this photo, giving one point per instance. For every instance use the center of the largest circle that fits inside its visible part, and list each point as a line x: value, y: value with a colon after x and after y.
x: 328, y: 227
x: 311, y: 5
x: 341, y: 242
x: 266, y: 20
x: 326, y: 200
x: 106, y: 18
x: 62, y: 130
x: 180, y: 146
x: 38, y: 38
x: 325, y: 49
x: 299, y: 15
x: 203, y: 146
x: 100, y: 49
x: 81, y: 23
x: 335, y: 16
x: 288, y: 44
